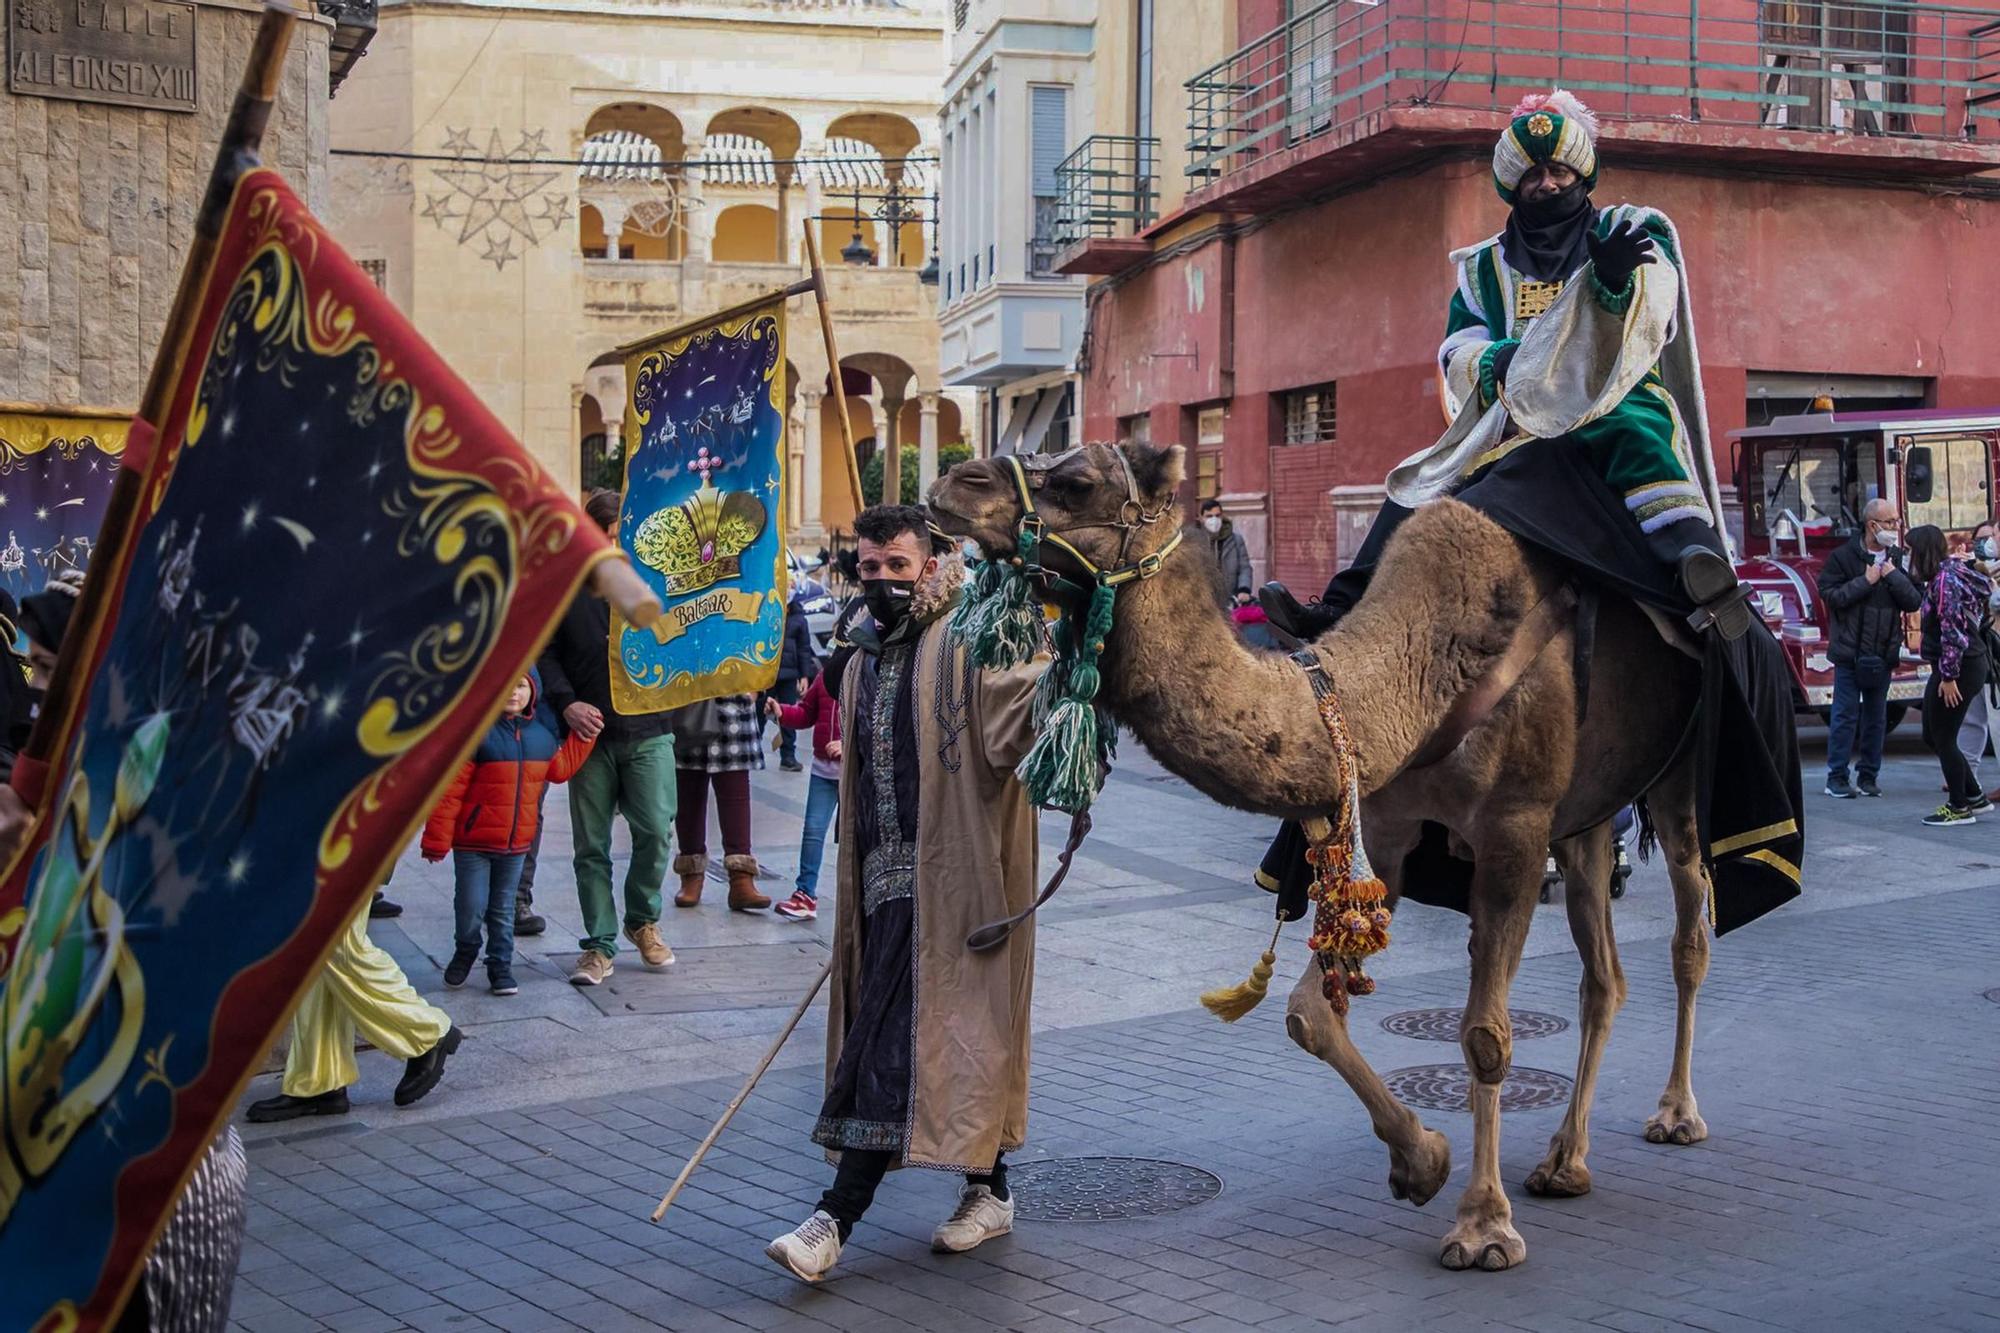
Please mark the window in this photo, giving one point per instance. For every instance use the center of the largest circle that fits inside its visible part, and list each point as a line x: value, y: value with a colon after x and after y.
x: 1136, y: 430
x: 1142, y: 76
x: 1048, y: 133
x: 1958, y: 500
x: 1309, y: 415
x: 959, y: 9
x: 378, y: 272
x: 1208, y: 452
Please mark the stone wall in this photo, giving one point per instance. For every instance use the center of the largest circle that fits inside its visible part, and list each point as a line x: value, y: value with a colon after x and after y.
x: 97, y: 207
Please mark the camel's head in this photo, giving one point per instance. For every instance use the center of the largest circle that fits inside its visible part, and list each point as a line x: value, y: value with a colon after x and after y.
x: 1113, y: 502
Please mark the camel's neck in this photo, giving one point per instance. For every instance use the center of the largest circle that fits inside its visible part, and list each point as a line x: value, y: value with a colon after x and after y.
x: 1243, y: 726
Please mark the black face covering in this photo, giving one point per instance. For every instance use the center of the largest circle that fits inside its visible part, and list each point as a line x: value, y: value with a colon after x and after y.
x: 888, y: 600
x: 1549, y: 240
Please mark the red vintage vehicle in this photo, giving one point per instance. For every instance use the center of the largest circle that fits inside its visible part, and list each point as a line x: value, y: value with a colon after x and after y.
x: 1803, y: 481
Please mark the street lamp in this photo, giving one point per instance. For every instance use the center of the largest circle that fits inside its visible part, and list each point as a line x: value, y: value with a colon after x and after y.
x: 856, y: 251
x: 929, y: 274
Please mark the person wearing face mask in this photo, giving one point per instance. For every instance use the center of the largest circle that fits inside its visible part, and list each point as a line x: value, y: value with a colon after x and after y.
x: 936, y: 839
x: 1867, y: 591
x: 1231, y: 554
x: 1571, y: 326
x: 1981, y: 727
x: 1956, y: 604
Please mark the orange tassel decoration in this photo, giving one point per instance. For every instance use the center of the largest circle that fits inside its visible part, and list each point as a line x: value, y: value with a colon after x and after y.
x: 1351, y: 920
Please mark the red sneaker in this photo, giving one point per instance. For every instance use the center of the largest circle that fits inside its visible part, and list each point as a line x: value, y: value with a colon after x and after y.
x: 798, y: 907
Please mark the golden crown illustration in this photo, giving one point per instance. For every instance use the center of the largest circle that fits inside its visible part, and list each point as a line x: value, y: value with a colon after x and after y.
x: 701, y: 540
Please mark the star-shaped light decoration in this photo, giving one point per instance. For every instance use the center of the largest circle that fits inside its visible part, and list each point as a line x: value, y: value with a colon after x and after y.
x: 497, y: 196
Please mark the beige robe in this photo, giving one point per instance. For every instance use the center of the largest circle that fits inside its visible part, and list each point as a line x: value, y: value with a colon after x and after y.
x: 976, y: 842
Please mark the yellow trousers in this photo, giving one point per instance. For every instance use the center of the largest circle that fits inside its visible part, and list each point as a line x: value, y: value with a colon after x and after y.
x: 360, y: 990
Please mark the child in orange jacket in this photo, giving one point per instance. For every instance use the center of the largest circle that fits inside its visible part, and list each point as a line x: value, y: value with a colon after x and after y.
x: 487, y: 821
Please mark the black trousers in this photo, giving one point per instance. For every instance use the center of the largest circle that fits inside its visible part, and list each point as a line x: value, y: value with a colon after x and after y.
x: 860, y: 1172
x: 1941, y: 725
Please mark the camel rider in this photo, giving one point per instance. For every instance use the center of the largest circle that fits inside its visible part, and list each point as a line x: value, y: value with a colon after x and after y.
x: 1572, y: 325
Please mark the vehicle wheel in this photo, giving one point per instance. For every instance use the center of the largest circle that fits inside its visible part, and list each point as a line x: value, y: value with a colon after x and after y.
x: 1895, y: 716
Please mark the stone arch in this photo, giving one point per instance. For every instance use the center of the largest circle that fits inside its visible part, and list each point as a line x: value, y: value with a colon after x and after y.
x: 632, y: 177
x: 855, y: 174
x: 747, y: 234
x: 774, y: 129
x: 643, y: 120
x: 891, y: 135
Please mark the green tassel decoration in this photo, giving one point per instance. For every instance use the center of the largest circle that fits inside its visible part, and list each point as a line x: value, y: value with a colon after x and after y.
x: 1065, y: 767
x: 999, y: 616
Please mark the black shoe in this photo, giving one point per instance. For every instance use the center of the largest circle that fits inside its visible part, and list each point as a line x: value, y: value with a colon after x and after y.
x: 791, y: 766
x: 1836, y: 787
x: 500, y: 978
x: 1978, y: 805
x: 460, y: 966
x: 1866, y: 786
x: 527, y: 923
x: 422, y: 1074
x: 1303, y: 622
x: 382, y: 909
x: 1719, y: 599
x: 273, y: 1109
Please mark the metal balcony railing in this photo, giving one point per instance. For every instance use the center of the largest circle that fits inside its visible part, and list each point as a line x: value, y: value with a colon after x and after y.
x: 1887, y: 68
x: 1106, y: 188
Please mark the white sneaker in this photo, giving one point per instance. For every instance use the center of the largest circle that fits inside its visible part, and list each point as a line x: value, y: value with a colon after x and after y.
x: 811, y: 1251
x: 979, y: 1217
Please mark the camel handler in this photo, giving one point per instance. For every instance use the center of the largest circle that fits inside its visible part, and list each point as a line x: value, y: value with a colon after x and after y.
x: 927, y: 1042
x: 1572, y: 326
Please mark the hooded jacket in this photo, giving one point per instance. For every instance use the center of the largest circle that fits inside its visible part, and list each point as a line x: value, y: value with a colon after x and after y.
x: 494, y: 804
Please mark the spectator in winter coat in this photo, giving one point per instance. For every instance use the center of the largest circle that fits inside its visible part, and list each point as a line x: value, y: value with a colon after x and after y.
x: 1232, y: 555
x: 1868, y: 592
x: 797, y: 666
x: 821, y: 712
x: 489, y: 817
x: 1955, y: 596
x: 630, y: 773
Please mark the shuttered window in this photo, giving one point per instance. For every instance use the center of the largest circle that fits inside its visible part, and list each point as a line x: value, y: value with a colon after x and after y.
x: 1049, y: 130
x: 1309, y: 415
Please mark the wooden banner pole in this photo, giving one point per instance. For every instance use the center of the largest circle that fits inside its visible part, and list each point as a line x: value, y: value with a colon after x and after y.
x: 237, y: 154
x: 729, y: 1111
x: 833, y: 369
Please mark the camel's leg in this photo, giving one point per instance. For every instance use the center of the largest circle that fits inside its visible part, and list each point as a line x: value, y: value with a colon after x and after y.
x: 1505, y: 885
x: 1419, y: 1158
x: 1672, y: 806
x: 1586, y: 863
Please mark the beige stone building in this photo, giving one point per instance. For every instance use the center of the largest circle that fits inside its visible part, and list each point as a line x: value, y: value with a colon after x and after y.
x: 98, y: 197
x: 537, y: 184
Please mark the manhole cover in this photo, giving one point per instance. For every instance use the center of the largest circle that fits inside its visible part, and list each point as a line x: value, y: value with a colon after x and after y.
x: 1106, y: 1189
x: 1446, y: 1087
x: 1994, y: 995
x: 1442, y: 1024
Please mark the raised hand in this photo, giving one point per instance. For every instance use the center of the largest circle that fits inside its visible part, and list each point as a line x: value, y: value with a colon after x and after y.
x: 1618, y: 256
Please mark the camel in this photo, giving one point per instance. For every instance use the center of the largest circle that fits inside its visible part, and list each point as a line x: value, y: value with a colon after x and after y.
x: 1242, y: 727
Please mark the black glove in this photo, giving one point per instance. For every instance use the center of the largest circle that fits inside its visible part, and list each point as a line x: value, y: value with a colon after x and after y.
x: 1618, y: 256
x: 1502, y: 359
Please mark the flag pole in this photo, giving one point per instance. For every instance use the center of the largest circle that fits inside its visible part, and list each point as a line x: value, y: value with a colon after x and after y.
x: 833, y: 372
x: 729, y: 1111
x: 237, y: 153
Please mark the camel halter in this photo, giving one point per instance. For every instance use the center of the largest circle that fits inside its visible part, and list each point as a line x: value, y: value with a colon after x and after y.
x: 1034, y: 532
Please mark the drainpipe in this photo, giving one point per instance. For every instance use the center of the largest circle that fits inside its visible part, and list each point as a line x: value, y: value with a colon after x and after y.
x: 1226, y: 354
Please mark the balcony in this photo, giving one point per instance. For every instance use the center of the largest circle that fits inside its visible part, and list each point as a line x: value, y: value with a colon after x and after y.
x: 1106, y: 195
x: 625, y: 299
x: 1348, y: 90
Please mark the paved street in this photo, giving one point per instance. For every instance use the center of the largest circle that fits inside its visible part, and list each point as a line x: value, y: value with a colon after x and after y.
x: 1847, y: 1064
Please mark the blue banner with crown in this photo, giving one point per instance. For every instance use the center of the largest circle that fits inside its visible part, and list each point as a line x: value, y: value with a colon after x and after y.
x: 702, y: 517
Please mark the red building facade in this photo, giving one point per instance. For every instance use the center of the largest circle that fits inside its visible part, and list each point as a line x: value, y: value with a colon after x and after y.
x: 1838, y: 200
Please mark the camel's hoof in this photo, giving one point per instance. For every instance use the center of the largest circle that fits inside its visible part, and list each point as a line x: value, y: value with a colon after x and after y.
x: 1559, y: 1180
x: 1419, y: 1174
x: 1673, y: 1127
x: 1492, y: 1246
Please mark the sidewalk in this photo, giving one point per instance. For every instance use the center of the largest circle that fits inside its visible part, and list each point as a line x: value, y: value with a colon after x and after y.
x: 1846, y: 1066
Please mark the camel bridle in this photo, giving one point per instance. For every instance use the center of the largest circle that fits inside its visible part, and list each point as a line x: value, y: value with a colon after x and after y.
x: 1033, y: 531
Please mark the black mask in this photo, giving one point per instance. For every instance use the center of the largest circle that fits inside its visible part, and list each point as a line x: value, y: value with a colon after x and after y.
x: 888, y: 600
x: 1549, y: 239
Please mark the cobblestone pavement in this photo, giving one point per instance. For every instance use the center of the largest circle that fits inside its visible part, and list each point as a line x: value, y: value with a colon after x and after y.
x: 1847, y: 1063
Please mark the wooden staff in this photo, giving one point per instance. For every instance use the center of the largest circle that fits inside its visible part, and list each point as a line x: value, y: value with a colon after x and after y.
x: 715, y: 1132
x: 833, y: 361
x: 237, y: 154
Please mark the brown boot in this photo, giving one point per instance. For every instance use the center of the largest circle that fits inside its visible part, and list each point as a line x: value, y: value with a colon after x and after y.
x: 743, y: 895
x: 693, y: 869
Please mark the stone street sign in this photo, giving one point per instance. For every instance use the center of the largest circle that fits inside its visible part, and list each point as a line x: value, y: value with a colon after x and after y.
x: 125, y: 52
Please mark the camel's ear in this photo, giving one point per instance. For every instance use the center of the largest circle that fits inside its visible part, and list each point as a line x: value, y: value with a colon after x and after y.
x: 1159, y: 471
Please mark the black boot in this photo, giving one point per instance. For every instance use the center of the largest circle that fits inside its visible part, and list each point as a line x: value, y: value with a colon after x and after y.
x: 382, y: 909
x: 1720, y: 601
x: 1304, y: 622
x: 422, y: 1074
x: 273, y: 1109
x: 527, y: 921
